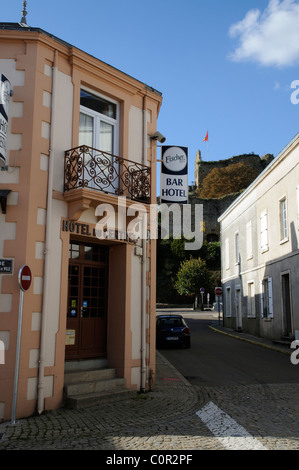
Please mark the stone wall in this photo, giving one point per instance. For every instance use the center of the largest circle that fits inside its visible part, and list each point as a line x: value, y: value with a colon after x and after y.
x: 212, y: 209
x: 202, y: 168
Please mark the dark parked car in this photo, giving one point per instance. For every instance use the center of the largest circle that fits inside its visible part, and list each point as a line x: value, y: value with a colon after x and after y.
x: 172, y: 330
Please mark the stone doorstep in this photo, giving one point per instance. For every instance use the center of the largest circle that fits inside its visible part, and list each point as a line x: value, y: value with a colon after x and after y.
x: 73, y: 377
x: 87, y: 388
x: 94, y: 386
x: 99, y: 398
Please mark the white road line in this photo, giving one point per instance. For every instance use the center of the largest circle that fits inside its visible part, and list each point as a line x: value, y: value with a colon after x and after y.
x: 227, y: 430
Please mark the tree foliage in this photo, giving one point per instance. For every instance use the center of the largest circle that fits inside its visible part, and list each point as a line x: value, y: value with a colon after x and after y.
x: 231, y: 179
x: 171, y: 254
x: 192, y: 275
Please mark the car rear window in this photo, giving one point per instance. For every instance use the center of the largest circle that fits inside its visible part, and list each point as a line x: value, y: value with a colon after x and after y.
x: 170, y: 322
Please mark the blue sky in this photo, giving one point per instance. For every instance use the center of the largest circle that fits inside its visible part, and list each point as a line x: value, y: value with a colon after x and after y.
x: 223, y: 66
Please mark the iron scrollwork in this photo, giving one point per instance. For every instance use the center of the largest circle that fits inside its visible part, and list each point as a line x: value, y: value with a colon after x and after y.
x: 86, y: 167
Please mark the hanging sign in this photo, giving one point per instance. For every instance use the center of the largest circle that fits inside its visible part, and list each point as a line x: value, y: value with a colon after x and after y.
x: 5, y: 93
x: 174, y: 175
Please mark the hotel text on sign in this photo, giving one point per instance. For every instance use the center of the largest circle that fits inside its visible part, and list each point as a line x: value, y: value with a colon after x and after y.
x: 174, y: 175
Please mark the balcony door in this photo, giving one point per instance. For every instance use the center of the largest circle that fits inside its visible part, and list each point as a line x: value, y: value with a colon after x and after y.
x: 98, y: 129
x: 87, y: 301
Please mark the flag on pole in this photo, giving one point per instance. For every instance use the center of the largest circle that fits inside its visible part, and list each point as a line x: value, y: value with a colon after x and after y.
x: 206, y: 137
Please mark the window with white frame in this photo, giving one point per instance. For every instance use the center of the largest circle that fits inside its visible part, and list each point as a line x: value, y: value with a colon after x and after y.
x: 98, y: 126
x: 283, y: 219
x: 251, y: 299
x: 249, y: 240
x: 264, y: 230
x: 266, y: 298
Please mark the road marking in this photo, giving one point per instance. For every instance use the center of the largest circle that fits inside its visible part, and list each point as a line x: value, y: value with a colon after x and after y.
x: 227, y: 430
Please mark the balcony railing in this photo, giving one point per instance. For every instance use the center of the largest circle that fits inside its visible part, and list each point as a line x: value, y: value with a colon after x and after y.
x: 86, y: 167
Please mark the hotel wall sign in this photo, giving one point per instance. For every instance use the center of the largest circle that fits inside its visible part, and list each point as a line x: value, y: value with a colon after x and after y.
x: 79, y: 228
x: 174, y: 175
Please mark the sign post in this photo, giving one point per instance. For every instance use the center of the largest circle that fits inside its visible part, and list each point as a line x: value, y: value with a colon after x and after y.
x: 24, y: 278
x: 218, y: 292
x: 202, y: 291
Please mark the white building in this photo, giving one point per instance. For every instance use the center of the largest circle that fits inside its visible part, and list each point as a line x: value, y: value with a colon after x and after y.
x: 260, y: 255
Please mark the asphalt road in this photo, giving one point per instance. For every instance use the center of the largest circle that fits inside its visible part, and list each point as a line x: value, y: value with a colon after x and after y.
x: 219, y: 360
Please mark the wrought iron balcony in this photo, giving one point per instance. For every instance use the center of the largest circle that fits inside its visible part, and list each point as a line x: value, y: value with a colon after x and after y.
x: 86, y: 167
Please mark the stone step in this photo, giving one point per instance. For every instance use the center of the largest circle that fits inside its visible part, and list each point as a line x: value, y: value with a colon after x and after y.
x: 94, y: 386
x: 91, y: 399
x: 88, y: 375
x: 88, y: 387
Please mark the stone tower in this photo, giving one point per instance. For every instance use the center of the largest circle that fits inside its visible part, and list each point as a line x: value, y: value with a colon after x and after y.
x: 197, y: 162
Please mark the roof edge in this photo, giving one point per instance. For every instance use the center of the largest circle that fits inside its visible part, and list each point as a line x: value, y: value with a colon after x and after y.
x: 24, y: 27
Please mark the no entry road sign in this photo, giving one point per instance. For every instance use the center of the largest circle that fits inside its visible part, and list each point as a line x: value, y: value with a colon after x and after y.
x: 218, y: 290
x: 25, y: 278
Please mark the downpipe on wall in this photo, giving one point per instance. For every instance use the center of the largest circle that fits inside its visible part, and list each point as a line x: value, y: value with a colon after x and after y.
x: 143, y: 271
x: 40, y: 391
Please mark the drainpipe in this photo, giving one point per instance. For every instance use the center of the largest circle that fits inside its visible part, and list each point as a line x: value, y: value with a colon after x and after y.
x: 143, y: 269
x: 40, y: 398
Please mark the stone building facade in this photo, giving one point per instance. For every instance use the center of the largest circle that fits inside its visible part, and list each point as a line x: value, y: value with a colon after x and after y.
x: 259, y: 251
x: 79, y: 138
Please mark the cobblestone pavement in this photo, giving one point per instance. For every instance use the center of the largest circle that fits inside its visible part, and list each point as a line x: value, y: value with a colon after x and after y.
x: 164, y: 419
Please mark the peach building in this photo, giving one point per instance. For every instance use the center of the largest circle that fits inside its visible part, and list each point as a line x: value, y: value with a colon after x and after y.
x: 79, y: 145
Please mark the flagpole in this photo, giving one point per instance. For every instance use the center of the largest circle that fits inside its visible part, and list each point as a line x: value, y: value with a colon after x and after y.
x: 206, y: 139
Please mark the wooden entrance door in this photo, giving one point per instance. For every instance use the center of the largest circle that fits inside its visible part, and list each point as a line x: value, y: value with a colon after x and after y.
x: 87, y: 301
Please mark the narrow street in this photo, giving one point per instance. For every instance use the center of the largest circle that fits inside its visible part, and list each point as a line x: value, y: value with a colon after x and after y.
x: 249, y: 390
x: 222, y: 394
x: 217, y: 360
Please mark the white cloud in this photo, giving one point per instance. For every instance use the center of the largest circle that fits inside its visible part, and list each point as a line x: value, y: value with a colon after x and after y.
x: 270, y: 38
x: 276, y: 86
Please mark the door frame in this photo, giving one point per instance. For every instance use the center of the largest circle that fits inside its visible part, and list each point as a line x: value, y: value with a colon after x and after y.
x: 97, y: 324
x: 286, y: 304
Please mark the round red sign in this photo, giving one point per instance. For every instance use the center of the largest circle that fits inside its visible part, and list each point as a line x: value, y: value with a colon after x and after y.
x: 25, y: 278
x: 218, y: 290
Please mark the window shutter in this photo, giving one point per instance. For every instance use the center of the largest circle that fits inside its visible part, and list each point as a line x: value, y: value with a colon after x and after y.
x: 262, y: 299
x: 270, y: 297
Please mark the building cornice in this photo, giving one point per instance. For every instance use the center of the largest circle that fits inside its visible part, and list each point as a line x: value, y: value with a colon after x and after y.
x: 79, y: 58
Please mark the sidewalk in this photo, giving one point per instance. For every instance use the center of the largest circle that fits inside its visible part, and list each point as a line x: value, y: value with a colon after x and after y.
x: 161, y: 419
x: 105, y: 427
x: 266, y: 343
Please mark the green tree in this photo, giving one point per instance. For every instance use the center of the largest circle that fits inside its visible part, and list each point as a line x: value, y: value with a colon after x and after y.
x: 191, y: 277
